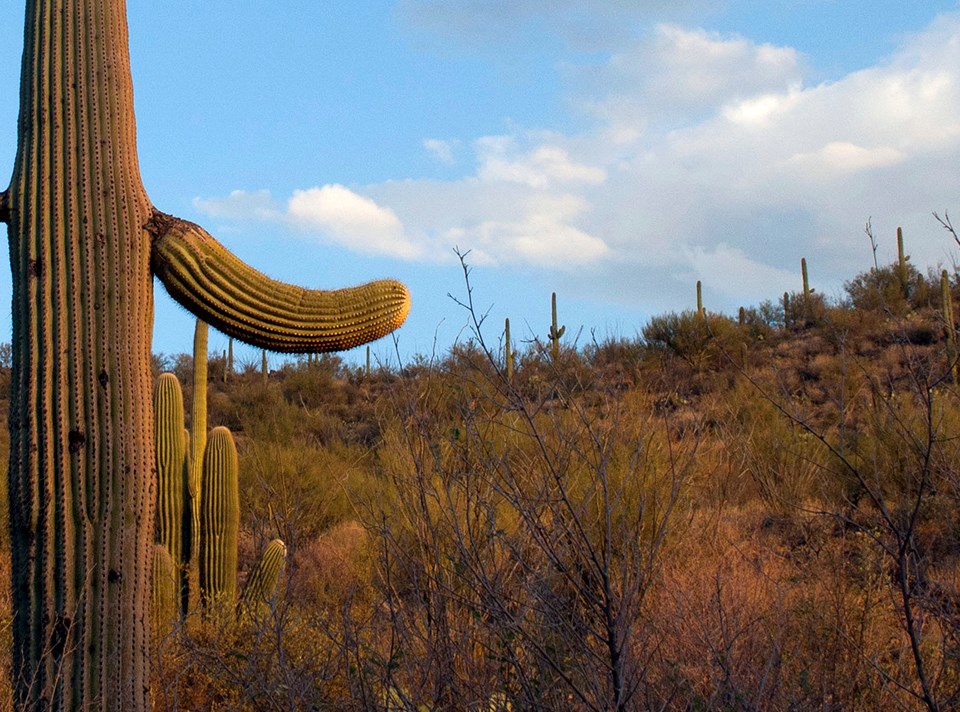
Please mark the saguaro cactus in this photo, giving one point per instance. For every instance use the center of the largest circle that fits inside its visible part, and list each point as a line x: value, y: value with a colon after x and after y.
x: 198, y: 443
x: 949, y: 326
x: 173, y: 470
x: 508, y: 350
x: 219, y: 518
x: 903, y: 274
x: 164, y: 599
x: 262, y: 582
x: 85, y: 242
x: 556, y: 332
x: 700, y: 312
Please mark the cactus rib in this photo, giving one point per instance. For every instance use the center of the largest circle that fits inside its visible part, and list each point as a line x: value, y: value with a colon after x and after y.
x: 208, y: 280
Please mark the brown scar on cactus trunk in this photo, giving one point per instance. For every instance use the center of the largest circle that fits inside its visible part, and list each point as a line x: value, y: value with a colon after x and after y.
x: 85, y: 242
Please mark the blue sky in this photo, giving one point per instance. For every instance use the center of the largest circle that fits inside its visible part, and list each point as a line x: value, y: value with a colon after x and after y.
x: 613, y: 151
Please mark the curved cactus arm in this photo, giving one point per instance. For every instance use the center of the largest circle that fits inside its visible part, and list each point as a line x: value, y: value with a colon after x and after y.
x: 203, y: 276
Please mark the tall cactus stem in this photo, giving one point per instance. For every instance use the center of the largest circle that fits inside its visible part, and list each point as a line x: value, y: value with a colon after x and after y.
x: 806, y: 280
x: 264, y: 366
x: 699, y: 299
x: 219, y: 519
x: 198, y: 436
x: 741, y: 316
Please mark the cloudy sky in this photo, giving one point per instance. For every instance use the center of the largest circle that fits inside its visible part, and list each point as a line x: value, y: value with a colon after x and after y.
x: 613, y: 151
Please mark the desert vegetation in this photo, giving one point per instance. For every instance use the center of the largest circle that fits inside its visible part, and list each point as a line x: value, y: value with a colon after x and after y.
x: 750, y: 512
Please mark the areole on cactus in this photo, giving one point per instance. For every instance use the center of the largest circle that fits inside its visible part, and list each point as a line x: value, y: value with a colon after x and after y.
x: 85, y: 243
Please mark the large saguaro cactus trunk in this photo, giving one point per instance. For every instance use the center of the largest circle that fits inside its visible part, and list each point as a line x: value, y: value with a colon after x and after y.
x: 84, y: 244
x: 81, y: 489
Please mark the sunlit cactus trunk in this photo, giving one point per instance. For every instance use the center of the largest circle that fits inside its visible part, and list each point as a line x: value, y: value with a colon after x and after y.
x: 85, y: 243
x: 81, y: 463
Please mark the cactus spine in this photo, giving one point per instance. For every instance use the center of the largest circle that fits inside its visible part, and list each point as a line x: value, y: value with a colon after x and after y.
x: 950, y: 329
x: 85, y: 243
x: 555, y: 332
x: 262, y: 583
x: 219, y: 518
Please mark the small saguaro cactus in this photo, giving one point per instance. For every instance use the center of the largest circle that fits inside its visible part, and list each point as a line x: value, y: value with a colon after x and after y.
x: 949, y: 326
x: 85, y: 243
x: 264, y: 367
x: 556, y: 332
x: 261, y: 585
x: 786, y: 310
x: 741, y: 316
x: 508, y: 353
x: 806, y: 280
x: 903, y: 274
x: 699, y: 299
x: 164, y: 599
x: 219, y: 518
x: 173, y: 470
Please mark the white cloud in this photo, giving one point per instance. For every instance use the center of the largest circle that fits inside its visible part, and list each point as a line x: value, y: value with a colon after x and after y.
x: 441, y: 150
x: 543, y: 166
x: 704, y: 154
x: 350, y: 219
x: 240, y: 205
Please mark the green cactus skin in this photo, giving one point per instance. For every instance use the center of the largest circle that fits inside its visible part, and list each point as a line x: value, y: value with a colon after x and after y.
x: 163, y: 603
x: 85, y: 243
x: 555, y: 333
x: 172, y: 465
x: 699, y: 299
x: 219, y: 519
x: 950, y: 330
x: 806, y: 281
x: 262, y: 583
x: 507, y: 350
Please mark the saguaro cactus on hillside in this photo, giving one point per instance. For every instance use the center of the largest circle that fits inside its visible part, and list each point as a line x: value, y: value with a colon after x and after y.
x: 85, y: 242
x: 219, y: 518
